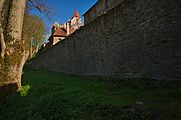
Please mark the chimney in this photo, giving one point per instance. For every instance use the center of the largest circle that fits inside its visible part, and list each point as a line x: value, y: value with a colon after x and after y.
x: 55, y: 26
x: 68, y: 28
x: 53, y: 29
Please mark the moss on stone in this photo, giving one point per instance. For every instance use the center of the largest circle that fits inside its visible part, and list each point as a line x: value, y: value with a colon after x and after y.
x: 10, y: 59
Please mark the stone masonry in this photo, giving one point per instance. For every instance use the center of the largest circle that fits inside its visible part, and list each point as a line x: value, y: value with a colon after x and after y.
x: 136, y: 39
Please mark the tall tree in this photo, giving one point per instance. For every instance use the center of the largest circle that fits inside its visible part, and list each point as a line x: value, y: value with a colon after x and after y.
x: 12, y: 49
x: 34, y: 31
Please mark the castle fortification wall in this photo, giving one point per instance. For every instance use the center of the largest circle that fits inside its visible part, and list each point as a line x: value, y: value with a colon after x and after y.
x: 136, y: 39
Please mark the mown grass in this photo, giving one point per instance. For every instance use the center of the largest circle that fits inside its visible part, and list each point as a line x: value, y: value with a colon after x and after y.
x: 54, y: 96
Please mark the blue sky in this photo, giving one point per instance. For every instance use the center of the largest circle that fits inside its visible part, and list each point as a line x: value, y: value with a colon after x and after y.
x: 63, y: 10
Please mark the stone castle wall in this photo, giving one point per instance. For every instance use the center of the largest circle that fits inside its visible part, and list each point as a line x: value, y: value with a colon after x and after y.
x: 99, y: 8
x: 136, y: 39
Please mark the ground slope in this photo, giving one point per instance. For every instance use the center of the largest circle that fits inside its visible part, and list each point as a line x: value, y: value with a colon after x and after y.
x: 54, y: 96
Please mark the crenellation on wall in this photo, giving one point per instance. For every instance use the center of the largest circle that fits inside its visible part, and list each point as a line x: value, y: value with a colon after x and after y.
x: 136, y: 39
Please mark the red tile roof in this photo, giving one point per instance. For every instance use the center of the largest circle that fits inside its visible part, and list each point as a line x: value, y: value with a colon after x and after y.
x: 61, y: 32
x: 76, y: 14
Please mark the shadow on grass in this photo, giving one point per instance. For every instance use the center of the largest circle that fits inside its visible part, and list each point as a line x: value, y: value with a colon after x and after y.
x: 7, y: 90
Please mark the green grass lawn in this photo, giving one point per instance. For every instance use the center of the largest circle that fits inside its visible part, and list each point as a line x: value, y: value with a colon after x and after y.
x: 54, y: 96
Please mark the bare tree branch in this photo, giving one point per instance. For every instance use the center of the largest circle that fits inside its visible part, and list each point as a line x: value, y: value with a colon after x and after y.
x: 36, y: 6
x: 41, y: 6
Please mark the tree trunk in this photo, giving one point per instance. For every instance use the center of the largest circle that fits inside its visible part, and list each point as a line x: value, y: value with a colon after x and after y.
x: 12, y: 49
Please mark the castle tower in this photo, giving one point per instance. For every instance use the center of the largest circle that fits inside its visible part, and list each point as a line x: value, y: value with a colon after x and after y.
x: 76, y: 14
x: 75, y: 22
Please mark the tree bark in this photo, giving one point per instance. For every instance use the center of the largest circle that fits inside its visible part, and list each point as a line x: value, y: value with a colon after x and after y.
x: 2, y: 42
x: 12, y: 50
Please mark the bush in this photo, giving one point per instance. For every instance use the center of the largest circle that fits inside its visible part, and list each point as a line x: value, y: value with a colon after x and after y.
x: 24, y: 90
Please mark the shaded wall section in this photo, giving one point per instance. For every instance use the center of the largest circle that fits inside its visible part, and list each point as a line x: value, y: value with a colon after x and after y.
x: 99, y: 8
x: 136, y: 39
